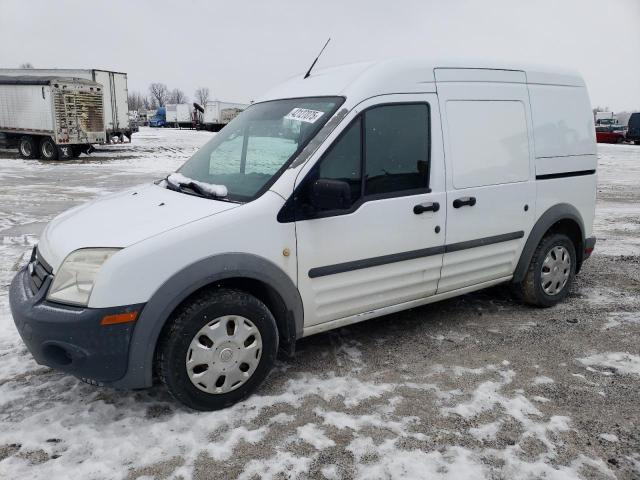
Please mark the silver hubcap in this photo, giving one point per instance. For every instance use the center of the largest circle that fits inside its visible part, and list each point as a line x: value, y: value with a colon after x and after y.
x: 556, y: 269
x: 224, y: 354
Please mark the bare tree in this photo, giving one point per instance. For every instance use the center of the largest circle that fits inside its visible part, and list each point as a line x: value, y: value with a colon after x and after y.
x: 159, y: 94
x: 27, y: 65
x: 202, y: 95
x: 177, y: 96
x: 135, y: 100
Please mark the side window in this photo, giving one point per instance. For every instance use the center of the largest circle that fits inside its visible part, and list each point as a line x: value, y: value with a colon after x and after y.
x: 390, y: 143
x: 396, y: 148
x: 339, y: 172
x: 343, y: 161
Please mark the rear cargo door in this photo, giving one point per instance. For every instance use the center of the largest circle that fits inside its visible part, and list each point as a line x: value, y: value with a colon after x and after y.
x: 120, y: 93
x: 104, y: 79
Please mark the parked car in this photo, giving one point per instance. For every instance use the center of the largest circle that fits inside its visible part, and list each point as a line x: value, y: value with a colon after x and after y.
x: 610, y: 133
x: 633, y: 128
x: 354, y: 193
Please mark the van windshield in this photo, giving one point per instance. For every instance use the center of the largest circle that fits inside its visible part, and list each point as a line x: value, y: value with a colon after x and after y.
x: 249, y: 154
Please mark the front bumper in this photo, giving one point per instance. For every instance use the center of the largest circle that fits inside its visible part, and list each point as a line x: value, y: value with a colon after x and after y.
x: 68, y: 338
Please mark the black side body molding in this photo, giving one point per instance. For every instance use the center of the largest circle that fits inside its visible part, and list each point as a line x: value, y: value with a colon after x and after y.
x: 551, y: 176
x: 481, y: 242
x: 410, y: 255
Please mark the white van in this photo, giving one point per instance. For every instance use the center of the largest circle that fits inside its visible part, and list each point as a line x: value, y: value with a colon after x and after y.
x: 357, y: 192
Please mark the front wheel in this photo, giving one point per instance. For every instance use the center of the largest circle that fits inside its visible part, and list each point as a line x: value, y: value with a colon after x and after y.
x: 217, y: 349
x: 551, y: 272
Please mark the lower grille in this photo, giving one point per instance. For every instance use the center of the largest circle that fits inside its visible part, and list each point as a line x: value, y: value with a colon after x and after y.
x: 39, y: 270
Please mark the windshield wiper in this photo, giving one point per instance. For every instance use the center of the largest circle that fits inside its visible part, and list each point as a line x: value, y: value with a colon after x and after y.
x: 179, y: 183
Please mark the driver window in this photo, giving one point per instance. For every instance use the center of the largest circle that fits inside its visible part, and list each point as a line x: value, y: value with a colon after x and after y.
x: 389, y: 142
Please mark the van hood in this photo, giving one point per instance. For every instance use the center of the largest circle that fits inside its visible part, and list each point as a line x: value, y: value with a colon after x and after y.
x: 122, y: 219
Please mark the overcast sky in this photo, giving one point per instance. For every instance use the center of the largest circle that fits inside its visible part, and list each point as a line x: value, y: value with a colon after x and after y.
x: 239, y: 49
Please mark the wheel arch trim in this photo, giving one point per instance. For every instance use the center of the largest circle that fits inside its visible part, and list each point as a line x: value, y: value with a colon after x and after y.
x: 187, y: 281
x: 556, y: 213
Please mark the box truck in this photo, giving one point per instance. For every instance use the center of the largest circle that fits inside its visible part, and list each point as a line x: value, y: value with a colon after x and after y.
x: 51, y: 117
x: 116, y: 107
x: 217, y: 114
x: 605, y: 118
x: 178, y: 115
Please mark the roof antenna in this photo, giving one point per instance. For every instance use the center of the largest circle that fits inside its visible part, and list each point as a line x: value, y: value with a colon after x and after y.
x: 308, y: 74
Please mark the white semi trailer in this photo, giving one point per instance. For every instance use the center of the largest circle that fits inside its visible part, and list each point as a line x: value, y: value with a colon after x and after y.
x: 51, y: 117
x: 115, y: 93
x: 217, y: 114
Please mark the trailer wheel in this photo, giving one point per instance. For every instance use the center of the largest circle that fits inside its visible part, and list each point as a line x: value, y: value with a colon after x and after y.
x: 28, y: 147
x: 48, y: 149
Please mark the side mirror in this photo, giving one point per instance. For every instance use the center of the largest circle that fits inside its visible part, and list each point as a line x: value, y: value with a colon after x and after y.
x: 330, y: 194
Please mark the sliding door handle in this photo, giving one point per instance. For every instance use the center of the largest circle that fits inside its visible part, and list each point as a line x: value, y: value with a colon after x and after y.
x: 461, y: 202
x: 426, y: 207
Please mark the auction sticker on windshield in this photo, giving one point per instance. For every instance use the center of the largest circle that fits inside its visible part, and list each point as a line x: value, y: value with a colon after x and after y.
x: 304, y: 115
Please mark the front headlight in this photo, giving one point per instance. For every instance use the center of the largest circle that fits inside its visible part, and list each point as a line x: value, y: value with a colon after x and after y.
x: 75, y: 278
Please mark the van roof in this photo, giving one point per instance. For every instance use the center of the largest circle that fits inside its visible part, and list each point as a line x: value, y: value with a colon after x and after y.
x: 407, y: 75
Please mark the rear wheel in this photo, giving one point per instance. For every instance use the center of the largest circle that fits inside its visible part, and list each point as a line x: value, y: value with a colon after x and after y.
x: 551, y: 272
x: 28, y: 147
x: 48, y: 149
x: 217, y: 349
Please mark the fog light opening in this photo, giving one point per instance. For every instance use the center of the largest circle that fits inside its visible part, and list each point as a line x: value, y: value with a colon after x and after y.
x: 57, y: 354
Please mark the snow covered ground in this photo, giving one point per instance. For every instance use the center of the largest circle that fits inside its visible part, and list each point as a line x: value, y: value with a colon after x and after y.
x: 474, y: 387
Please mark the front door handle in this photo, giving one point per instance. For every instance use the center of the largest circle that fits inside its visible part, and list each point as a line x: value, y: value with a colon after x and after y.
x: 426, y: 207
x: 461, y: 202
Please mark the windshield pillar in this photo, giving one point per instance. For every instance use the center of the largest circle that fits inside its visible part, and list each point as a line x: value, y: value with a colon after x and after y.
x: 245, y: 142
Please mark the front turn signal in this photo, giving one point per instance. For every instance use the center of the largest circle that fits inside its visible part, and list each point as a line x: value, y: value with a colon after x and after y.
x: 119, y: 318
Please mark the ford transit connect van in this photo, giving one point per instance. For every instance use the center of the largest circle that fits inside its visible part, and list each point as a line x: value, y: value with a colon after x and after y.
x: 359, y: 191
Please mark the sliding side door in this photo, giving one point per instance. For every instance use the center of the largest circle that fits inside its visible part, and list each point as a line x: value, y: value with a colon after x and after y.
x: 490, y: 178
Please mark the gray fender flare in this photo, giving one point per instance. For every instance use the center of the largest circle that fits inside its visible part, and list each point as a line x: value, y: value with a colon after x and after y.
x: 561, y: 211
x: 187, y: 281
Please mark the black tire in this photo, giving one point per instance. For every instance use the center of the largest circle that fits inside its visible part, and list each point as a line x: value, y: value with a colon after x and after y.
x: 636, y: 142
x: 76, y: 150
x: 187, y: 321
x: 48, y: 149
x: 531, y: 290
x: 28, y: 147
